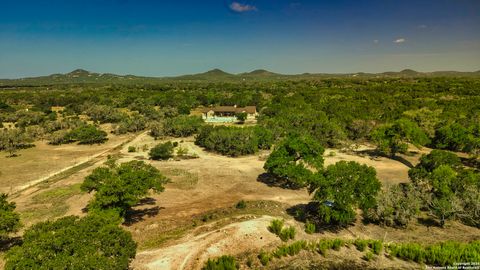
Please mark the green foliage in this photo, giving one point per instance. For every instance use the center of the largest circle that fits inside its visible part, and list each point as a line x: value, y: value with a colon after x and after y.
x: 441, y: 254
x: 85, y: 134
x: 182, y: 126
x: 368, y: 256
x: 293, y: 160
x: 120, y: 187
x: 310, y: 227
x: 9, y: 219
x: 222, y: 263
x: 11, y: 140
x: 162, y: 151
x: 376, y: 246
x: 456, y: 137
x: 361, y: 244
x: 93, y: 242
x: 241, y: 117
x: 343, y: 187
x: 233, y: 141
x: 287, y: 234
x: 264, y: 258
x: 241, y: 205
x: 394, y: 138
x: 276, y: 226
x: 132, y: 149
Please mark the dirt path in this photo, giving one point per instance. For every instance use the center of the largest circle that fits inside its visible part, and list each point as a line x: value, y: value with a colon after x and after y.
x: 192, y: 251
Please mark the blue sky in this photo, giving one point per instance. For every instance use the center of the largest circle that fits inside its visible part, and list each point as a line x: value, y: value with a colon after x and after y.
x: 168, y: 37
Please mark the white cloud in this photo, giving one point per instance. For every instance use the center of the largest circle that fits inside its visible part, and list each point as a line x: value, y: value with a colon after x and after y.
x: 237, y: 7
x: 376, y: 41
x: 399, y: 40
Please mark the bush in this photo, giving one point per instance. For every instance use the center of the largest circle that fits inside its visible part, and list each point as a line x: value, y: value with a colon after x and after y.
x: 93, y: 242
x: 368, y: 256
x: 162, y: 151
x: 376, y: 246
x: 132, y: 149
x: 264, y: 258
x: 222, y: 263
x: 241, y: 205
x: 287, y: 234
x: 276, y: 226
x: 361, y: 244
x: 310, y: 227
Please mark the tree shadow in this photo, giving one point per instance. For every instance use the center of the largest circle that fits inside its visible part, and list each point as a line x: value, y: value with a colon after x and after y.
x: 472, y: 162
x: 136, y: 215
x: 429, y: 222
x: 273, y: 181
x: 9, y: 242
x: 374, y: 154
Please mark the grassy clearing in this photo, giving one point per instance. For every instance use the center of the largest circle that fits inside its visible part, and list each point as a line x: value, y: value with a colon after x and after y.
x: 50, y: 204
x: 181, y: 179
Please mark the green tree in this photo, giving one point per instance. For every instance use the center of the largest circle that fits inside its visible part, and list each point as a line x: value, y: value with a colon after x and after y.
x: 162, y: 151
x: 394, y: 138
x: 13, y: 139
x: 87, y: 134
x: 241, y: 117
x: 9, y: 219
x: 294, y: 161
x: 222, y: 263
x: 92, y: 242
x: 120, y: 187
x: 343, y: 187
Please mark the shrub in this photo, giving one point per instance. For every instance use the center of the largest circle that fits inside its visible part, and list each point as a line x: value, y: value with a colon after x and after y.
x: 162, y: 151
x: 276, y: 226
x: 241, y: 205
x: 222, y: 263
x: 264, y: 258
x: 287, y: 234
x: 368, y: 256
x: 132, y: 149
x: 310, y: 227
x: 361, y: 244
x: 376, y: 246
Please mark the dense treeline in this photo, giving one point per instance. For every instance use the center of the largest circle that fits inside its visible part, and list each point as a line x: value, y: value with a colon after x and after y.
x: 332, y: 111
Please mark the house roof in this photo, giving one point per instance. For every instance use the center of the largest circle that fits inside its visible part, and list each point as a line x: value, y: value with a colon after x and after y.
x: 232, y: 109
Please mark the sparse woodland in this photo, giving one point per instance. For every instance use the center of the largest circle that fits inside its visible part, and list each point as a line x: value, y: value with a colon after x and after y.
x: 298, y: 120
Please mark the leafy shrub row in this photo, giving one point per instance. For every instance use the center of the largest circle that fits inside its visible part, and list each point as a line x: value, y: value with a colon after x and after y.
x: 276, y: 227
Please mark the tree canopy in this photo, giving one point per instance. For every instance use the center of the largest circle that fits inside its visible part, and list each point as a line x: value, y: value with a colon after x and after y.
x: 92, y: 242
x: 120, y: 187
x: 9, y: 219
x: 295, y: 160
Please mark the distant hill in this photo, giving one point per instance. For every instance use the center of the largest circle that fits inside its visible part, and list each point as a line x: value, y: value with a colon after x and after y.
x: 81, y: 76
